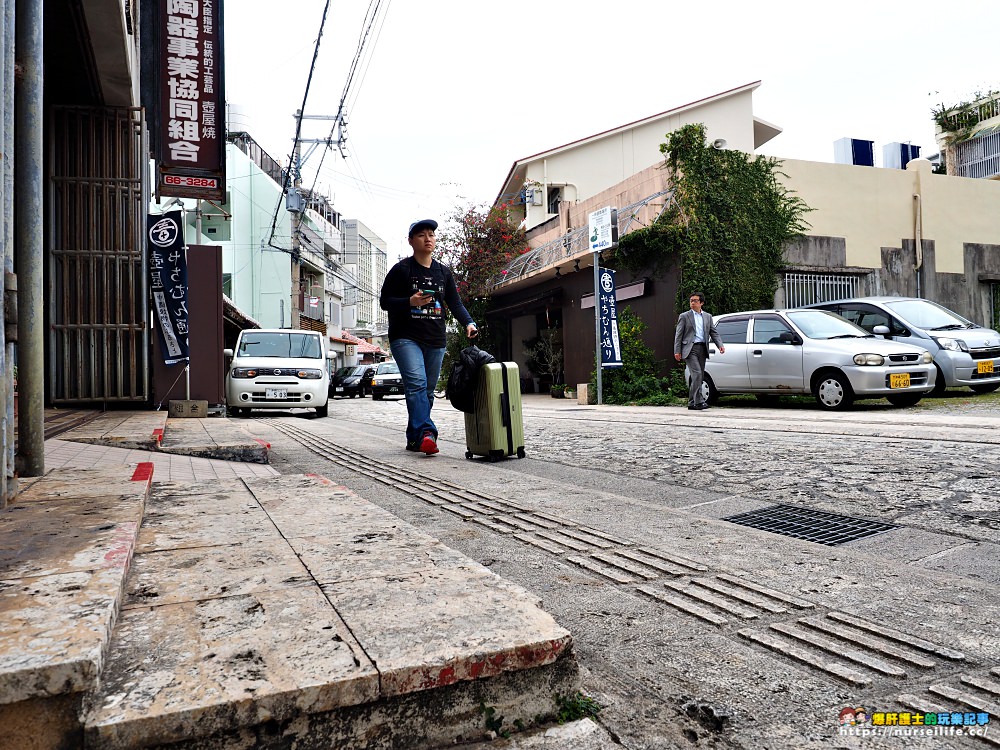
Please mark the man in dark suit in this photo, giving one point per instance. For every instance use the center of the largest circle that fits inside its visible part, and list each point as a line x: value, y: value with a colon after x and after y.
x: 695, y: 329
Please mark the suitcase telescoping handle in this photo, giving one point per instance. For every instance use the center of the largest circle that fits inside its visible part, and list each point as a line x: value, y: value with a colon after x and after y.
x: 505, y: 410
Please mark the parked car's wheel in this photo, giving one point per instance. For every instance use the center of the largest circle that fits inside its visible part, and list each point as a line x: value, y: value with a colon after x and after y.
x: 904, y: 399
x: 833, y: 391
x: 324, y: 410
x: 985, y: 387
x: 939, y: 384
x: 708, y: 392
x: 354, y: 395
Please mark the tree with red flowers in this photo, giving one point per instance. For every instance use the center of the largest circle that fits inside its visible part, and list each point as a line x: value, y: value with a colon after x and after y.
x: 478, y: 243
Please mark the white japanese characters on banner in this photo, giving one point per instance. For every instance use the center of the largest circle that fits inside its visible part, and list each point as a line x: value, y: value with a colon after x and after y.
x: 611, y: 350
x: 168, y: 283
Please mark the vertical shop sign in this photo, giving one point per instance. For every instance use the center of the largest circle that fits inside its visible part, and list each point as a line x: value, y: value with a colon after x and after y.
x: 168, y: 283
x: 190, y: 147
x: 611, y: 350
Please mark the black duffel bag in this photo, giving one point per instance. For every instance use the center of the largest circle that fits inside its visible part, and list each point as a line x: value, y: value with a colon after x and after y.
x: 461, y: 389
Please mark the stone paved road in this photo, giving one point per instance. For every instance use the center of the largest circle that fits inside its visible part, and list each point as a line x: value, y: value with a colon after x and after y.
x: 621, y: 539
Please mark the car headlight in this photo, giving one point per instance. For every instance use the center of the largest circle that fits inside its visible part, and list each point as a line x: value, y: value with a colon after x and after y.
x: 952, y: 345
x: 244, y: 372
x: 869, y: 359
x: 309, y: 374
x: 927, y: 358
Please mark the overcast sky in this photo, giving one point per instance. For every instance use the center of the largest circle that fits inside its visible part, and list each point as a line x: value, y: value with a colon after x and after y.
x: 452, y: 92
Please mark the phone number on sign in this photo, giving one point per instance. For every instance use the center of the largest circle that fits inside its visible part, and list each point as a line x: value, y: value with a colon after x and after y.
x: 190, y: 181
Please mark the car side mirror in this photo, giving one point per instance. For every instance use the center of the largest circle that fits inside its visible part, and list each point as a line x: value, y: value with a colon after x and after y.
x: 330, y: 354
x: 788, y: 337
x: 227, y: 352
x: 882, y: 331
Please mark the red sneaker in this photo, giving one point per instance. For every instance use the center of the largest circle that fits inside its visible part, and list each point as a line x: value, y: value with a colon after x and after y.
x: 428, y: 446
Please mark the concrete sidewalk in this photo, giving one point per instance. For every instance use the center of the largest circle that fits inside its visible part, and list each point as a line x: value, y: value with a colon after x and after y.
x: 149, y: 597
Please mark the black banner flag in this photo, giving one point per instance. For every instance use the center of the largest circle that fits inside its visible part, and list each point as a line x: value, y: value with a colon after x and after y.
x: 168, y: 283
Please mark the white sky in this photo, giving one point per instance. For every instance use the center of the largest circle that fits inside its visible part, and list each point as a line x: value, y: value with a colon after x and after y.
x: 454, y: 91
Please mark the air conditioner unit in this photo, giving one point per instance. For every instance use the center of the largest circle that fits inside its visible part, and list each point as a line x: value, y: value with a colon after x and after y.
x: 533, y: 196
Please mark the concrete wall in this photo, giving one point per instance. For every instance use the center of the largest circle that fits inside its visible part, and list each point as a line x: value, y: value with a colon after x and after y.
x: 866, y: 220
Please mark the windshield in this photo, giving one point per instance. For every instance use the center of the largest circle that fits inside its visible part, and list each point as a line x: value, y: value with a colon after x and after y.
x: 388, y: 368
x: 280, y: 345
x: 359, y: 370
x: 920, y: 313
x: 821, y: 324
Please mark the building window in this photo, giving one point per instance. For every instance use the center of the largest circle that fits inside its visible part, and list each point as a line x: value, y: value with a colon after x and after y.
x: 810, y: 288
x: 995, y: 305
x: 227, y: 285
x: 555, y: 196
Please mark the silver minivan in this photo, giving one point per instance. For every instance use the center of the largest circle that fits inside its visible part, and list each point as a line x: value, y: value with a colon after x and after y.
x: 772, y: 353
x: 966, y: 354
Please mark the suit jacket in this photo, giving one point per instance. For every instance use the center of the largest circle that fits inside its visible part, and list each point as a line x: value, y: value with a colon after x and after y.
x: 684, y: 335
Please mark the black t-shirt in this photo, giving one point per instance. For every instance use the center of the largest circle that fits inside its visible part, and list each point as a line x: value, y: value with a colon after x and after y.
x: 422, y: 324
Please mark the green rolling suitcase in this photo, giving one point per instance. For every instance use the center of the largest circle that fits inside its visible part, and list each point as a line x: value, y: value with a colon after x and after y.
x: 496, y: 428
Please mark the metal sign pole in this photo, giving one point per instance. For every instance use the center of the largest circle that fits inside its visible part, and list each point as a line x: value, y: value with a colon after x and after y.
x: 597, y: 324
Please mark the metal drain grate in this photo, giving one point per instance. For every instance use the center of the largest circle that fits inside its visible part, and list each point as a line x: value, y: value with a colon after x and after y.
x: 811, y: 525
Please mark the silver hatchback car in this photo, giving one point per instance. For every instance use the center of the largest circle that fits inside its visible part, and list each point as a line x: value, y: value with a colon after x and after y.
x: 782, y: 352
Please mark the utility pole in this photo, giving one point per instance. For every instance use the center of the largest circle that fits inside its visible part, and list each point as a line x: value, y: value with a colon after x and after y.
x: 293, y: 203
x: 296, y: 203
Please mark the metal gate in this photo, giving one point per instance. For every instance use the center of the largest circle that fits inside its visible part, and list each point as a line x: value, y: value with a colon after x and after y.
x: 96, y: 286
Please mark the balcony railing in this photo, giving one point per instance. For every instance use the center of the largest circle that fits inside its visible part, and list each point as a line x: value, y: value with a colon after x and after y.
x: 574, y: 243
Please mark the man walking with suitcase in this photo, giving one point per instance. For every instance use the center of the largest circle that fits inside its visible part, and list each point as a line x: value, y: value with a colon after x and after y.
x: 694, y: 330
x: 414, y: 294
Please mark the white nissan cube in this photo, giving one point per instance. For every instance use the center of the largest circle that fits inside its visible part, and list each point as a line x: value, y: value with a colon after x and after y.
x: 278, y: 369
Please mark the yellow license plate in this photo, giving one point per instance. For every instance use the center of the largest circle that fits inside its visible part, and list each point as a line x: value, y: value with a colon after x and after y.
x: 899, y: 380
x: 985, y: 366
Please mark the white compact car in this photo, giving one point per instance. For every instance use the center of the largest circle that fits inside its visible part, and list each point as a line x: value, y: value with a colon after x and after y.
x: 782, y: 352
x: 278, y: 369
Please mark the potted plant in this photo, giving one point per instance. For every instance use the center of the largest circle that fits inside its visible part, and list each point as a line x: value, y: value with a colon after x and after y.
x: 544, y: 355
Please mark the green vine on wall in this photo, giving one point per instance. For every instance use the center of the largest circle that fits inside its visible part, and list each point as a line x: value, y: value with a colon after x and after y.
x: 725, y: 228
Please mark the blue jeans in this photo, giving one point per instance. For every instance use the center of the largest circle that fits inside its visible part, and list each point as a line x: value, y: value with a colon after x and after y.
x: 420, y: 367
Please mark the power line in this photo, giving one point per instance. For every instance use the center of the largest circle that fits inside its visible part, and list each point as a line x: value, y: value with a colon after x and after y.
x: 298, y: 124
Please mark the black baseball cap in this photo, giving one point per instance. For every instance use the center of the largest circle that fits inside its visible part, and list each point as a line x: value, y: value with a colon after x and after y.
x: 422, y: 224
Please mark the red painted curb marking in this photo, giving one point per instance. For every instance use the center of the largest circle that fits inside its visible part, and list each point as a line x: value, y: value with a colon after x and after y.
x: 158, y: 434
x: 266, y: 445
x: 143, y: 472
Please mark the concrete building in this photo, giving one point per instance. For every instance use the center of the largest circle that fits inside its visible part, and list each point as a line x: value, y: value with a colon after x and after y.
x: 303, y: 268
x: 872, y: 231
x: 366, y: 252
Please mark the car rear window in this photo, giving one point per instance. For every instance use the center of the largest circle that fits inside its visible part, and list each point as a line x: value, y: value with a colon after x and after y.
x: 733, y: 331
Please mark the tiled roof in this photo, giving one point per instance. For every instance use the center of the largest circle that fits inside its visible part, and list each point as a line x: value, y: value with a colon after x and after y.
x: 363, y: 346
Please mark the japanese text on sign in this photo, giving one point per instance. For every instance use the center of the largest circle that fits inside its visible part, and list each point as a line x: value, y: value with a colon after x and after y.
x: 168, y: 284
x: 611, y: 350
x: 191, y: 153
x: 603, y: 229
